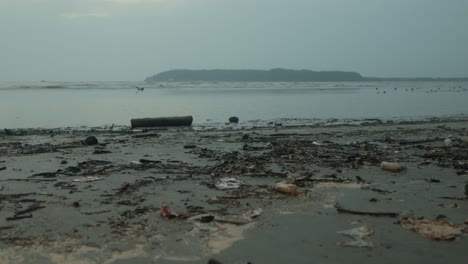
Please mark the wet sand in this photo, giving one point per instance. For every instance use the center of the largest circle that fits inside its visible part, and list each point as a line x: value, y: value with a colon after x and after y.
x: 48, y: 216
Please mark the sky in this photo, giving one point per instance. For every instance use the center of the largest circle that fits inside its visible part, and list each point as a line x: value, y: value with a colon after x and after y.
x: 129, y: 40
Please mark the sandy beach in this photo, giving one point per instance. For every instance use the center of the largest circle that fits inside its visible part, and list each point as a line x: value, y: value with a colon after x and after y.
x: 177, y: 195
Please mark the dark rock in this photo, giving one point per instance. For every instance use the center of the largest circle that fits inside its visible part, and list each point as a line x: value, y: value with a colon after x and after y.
x: 190, y: 146
x: 207, y: 219
x: 91, y: 140
x: 233, y: 119
x: 214, y: 261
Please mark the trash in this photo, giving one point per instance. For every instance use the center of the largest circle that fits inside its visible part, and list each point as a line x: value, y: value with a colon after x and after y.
x: 207, y: 219
x: 146, y: 161
x: 356, y: 212
x: 190, y: 146
x: 88, y: 179
x: 101, y: 151
x: 227, y: 183
x: 162, y: 121
x: 233, y: 119
x: 359, y: 235
x: 146, y: 135
x: 431, y: 180
x: 437, y: 230
x: 72, y: 169
x: 165, y: 212
x: 91, y: 140
x: 286, y: 188
x: 391, y: 166
x: 254, y: 213
x: 135, y: 162
x: 448, y: 142
x: 357, y: 243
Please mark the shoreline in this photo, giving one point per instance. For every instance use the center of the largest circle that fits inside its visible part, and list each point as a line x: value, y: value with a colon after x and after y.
x: 157, y: 195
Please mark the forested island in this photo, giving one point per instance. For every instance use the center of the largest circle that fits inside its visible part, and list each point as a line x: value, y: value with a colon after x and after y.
x: 273, y: 75
x: 277, y: 75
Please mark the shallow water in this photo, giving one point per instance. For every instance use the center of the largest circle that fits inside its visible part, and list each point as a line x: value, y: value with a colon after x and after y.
x: 45, y: 104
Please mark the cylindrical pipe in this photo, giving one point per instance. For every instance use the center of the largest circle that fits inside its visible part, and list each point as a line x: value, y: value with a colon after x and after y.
x: 162, y: 121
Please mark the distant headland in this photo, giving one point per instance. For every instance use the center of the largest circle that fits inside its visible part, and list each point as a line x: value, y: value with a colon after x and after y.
x: 275, y: 75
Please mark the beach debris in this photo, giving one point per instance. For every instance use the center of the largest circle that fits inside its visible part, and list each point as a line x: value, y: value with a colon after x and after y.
x: 72, y: 169
x: 91, y: 140
x: 25, y: 213
x: 147, y: 161
x: 253, y: 214
x: 214, y: 261
x: 167, y: 213
x: 146, y: 135
x: 432, y: 180
x: 391, y: 166
x: 357, y: 212
x: 87, y: 179
x: 162, y: 121
x: 234, y: 119
x: 466, y: 188
x: 436, y: 230
x: 2, y: 168
x: 448, y: 142
x: 359, y: 235
x: 44, y: 174
x: 227, y: 183
x: 189, y: 146
x: 207, y: 219
x: 101, y: 151
x: 286, y: 188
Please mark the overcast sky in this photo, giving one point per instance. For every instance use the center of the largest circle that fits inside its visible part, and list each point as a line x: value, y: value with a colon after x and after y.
x: 86, y: 40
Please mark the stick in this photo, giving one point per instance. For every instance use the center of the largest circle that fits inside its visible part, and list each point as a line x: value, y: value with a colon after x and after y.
x: 348, y: 211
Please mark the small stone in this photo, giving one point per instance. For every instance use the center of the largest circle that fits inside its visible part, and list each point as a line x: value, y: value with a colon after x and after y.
x: 233, y: 119
x: 91, y: 140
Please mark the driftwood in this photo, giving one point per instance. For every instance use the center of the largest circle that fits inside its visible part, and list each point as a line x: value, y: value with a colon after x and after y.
x: 348, y: 211
x: 162, y: 121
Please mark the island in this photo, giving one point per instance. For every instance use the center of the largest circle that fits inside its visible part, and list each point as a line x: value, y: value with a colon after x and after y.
x: 273, y: 75
x: 278, y: 75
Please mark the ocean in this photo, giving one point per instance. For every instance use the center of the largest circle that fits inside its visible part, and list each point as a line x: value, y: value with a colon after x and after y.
x: 77, y: 104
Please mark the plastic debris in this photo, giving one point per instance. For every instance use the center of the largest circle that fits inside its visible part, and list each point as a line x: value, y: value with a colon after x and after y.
x: 437, y: 230
x: 165, y: 212
x: 391, y: 166
x: 88, y: 179
x: 227, y: 183
x: 286, y: 188
x: 359, y: 235
x: 254, y: 213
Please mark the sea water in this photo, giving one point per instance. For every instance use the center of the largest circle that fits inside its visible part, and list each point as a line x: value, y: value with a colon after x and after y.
x: 73, y: 104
